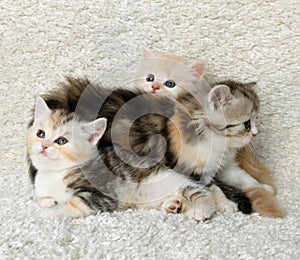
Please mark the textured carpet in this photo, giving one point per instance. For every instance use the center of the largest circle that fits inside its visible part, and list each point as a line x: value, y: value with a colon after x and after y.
x: 43, y: 41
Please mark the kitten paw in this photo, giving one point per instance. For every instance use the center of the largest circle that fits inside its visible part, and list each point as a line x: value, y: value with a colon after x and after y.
x: 172, y: 205
x: 46, y: 202
x: 200, y: 213
x: 228, y: 207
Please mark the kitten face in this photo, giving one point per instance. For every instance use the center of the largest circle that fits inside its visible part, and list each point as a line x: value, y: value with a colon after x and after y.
x: 233, y: 111
x: 58, y: 140
x: 167, y: 75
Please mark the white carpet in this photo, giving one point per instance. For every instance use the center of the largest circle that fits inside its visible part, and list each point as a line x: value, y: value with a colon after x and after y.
x: 43, y: 41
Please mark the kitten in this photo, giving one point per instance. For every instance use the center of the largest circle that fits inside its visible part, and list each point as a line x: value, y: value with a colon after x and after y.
x: 59, y: 144
x: 167, y: 74
x: 75, y: 178
x: 156, y: 75
x: 151, y: 114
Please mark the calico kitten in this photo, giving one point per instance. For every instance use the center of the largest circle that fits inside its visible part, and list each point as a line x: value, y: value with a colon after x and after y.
x: 159, y: 78
x: 75, y: 178
x: 59, y: 144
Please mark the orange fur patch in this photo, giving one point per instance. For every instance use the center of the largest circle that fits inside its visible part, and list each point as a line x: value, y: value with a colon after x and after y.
x: 199, y: 165
x: 68, y: 153
x: 75, y: 208
x: 265, y: 203
x: 249, y: 162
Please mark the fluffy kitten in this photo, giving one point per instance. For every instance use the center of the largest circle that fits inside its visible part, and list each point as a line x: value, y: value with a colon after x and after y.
x: 73, y: 177
x: 156, y: 75
x: 151, y: 114
x: 167, y: 74
x: 59, y: 144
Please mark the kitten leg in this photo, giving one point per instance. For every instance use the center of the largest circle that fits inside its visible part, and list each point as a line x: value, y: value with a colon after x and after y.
x: 248, y: 161
x: 238, y: 178
x: 261, y: 196
x: 223, y: 204
x: 193, y: 203
x: 46, y: 202
x: 167, y: 189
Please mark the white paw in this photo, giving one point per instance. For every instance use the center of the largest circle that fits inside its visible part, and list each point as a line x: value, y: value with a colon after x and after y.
x: 46, y: 202
x: 201, y: 212
x: 172, y: 205
x: 228, y: 206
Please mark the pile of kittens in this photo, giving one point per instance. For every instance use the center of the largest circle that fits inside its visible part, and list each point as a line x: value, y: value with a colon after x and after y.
x: 169, y: 141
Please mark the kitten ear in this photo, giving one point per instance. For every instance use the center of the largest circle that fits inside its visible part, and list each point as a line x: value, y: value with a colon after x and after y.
x: 198, y: 69
x: 95, y: 129
x: 219, y: 96
x: 41, y: 109
x: 148, y: 53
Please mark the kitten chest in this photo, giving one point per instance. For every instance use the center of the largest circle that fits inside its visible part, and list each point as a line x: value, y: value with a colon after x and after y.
x: 205, y: 157
x: 52, y: 184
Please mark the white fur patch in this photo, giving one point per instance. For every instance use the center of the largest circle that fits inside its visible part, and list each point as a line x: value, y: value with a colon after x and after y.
x: 51, y: 184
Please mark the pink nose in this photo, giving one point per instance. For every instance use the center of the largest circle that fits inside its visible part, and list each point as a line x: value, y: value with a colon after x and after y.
x: 254, y: 134
x: 155, y: 88
x: 44, y: 147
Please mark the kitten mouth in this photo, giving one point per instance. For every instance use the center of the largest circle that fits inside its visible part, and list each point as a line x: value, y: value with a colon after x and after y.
x: 154, y: 91
x: 44, y: 153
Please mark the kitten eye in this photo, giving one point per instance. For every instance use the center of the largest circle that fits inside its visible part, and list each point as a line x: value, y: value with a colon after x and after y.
x: 247, y: 125
x: 170, y: 84
x: 41, y: 134
x: 61, y: 141
x: 150, y: 78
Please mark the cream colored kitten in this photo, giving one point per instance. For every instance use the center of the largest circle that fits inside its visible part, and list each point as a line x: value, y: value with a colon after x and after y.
x: 167, y: 75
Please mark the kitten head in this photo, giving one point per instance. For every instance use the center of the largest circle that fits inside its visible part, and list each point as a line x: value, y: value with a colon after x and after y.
x: 232, y: 110
x: 58, y: 140
x: 167, y: 74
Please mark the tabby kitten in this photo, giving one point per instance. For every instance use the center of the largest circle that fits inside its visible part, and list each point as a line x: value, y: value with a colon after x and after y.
x: 159, y: 77
x: 75, y: 178
x: 150, y: 114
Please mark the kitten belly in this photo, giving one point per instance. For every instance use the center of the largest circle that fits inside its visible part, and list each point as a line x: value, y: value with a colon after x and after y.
x: 52, y: 185
x: 152, y: 191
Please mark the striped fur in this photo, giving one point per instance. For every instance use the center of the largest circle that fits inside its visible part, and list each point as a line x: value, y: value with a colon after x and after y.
x: 160, y: 65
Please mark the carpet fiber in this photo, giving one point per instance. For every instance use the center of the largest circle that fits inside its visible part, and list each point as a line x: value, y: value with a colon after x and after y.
x: 43, y: 41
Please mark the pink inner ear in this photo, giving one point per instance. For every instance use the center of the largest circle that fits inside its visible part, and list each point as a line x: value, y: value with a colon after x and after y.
x: 199, y: 70
x: 220, y: 96
x: 94, y: 137
x: 216, y: 99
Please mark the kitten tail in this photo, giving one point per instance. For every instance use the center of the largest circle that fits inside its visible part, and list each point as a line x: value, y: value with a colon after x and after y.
x: 265, y: 203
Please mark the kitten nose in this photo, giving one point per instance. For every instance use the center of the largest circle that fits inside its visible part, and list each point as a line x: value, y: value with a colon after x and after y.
x: 155, y: 87
x: 44, y: 147
x: 254, y: 133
